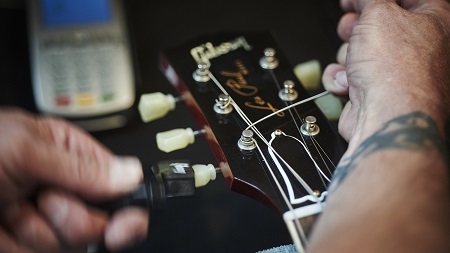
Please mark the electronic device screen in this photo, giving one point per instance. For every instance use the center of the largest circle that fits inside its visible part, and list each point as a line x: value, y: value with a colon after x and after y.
x: 75, y: 12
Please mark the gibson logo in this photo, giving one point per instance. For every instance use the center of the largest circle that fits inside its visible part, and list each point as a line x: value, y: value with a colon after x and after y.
x: 208, y: 51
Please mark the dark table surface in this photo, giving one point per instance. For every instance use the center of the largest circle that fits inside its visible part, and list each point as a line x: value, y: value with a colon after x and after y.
x: 215, y: 219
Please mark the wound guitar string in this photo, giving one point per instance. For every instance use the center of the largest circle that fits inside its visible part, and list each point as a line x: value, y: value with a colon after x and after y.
x: 292, y: 197
x: 291, y: 200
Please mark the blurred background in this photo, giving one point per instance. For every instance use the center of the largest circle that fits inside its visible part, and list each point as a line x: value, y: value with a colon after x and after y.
x: 215, y: 219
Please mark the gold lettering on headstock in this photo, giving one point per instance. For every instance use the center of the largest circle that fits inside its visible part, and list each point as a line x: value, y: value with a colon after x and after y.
x: 238, y: 84
x: 259, y: 103
x: 207, y: 51
x: 237, y: 80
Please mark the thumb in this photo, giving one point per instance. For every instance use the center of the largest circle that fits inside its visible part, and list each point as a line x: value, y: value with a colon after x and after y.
x: 67, y: 157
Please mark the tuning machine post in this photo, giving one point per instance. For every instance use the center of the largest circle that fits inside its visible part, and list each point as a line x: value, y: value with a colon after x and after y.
x: 246, y: 142
x: 310, y: 128
x: 288, y: 93
x: 201, y: 74
x: 223, y: 104
x: 269, y: 61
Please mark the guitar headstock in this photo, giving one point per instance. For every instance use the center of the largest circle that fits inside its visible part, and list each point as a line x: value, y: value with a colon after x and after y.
x: 239, y: 88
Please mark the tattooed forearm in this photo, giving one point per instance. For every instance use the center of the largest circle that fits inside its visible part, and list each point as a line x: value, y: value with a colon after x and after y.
x: 415, y: 131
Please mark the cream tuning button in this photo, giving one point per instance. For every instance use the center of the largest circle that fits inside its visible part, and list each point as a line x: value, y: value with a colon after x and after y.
x: 309, y: 73
x: 176, y: 139
x: 203, y: 174
x: 156, y: 105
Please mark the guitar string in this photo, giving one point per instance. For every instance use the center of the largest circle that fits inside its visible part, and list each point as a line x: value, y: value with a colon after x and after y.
x: 292, y: 198
x: 277, y: 83
x: 310, y: 156
x: 314, y: 141
x: 317, y: 145
x: 287, y: 108
x: 243, y: 116
x: 322, y: 152
x: 272, y: 151
x: 260, y: 135
x: 297, y: 224
x: 290, y: 207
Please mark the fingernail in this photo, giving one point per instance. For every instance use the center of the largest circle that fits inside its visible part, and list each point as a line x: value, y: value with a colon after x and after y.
x: 342, y: 53
x: 341, y: 79
x: 57, y: 210
x: 126, y: 228
x: 125, y: 173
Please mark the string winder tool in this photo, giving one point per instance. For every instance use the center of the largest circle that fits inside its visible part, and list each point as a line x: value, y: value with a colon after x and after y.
x: 164, y: 180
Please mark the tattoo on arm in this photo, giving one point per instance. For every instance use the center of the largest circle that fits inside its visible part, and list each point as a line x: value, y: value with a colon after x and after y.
x: 414, y: 131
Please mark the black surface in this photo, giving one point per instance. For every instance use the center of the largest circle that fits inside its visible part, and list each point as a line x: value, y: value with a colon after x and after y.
x: 215, y: 220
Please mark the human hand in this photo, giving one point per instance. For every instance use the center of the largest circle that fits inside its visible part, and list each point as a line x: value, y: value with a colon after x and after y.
x: 396, y: 61
x: 66, y: 166
x: 391, y: 185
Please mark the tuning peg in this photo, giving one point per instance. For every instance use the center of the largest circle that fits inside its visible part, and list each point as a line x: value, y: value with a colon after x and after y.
x: 269, y: 60
x: 203, y: 174
x: 309, y: 73
x: 176, y: 139
x: 156, y: 105
x: 288, y: 93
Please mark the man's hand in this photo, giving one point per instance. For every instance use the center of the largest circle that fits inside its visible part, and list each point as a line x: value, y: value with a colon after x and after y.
x: 390, y: 191
x: 60, y: 166
x: 396, y: 61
